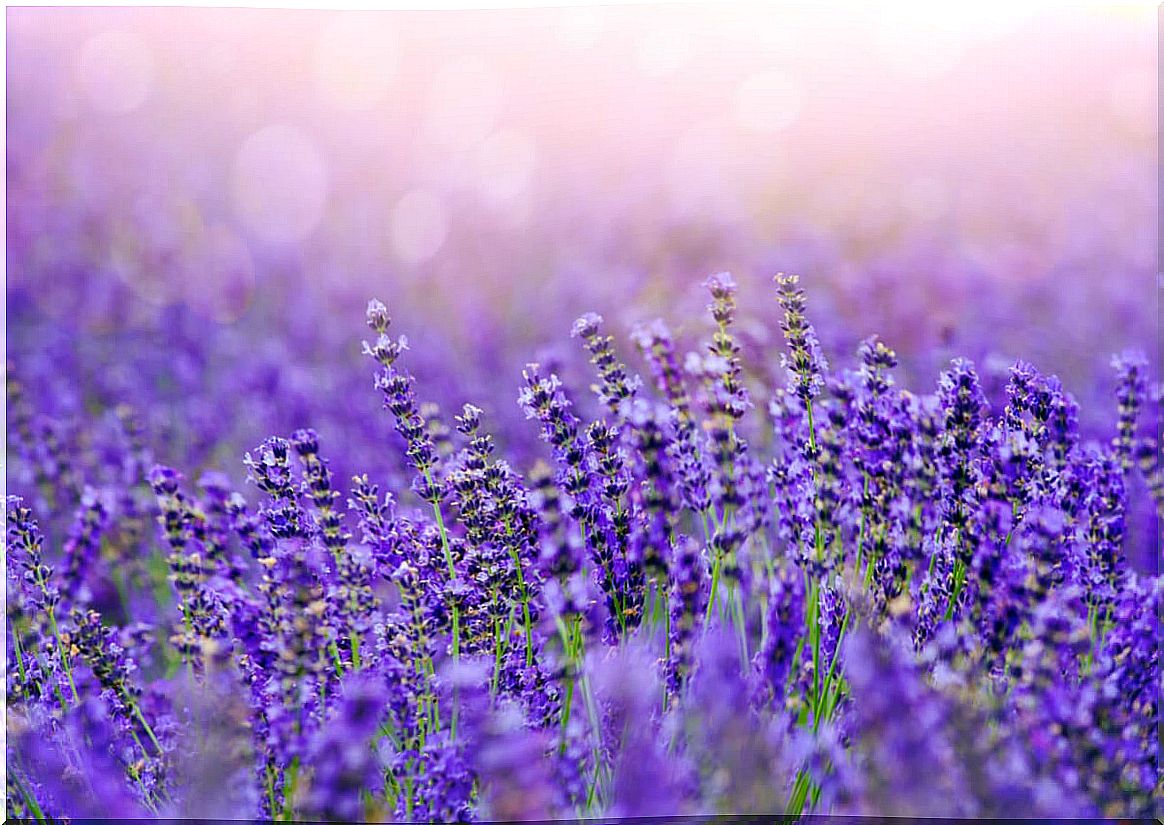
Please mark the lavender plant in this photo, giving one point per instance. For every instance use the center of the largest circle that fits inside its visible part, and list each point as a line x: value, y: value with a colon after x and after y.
x: 860, y: 599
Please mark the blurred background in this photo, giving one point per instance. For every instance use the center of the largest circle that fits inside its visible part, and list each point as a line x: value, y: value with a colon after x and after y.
x: 201, y: 201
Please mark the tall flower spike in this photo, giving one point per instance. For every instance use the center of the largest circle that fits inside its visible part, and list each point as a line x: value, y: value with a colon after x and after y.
x: 203, y: 629
x: 688, y: 598
x: 657, y: 488
x: 731, y: 399
x: 317, y: 486
x: 26, y: 567
x: 83, y: 544
x: 1130, y: 367
x: 805, y: 363
x: 785, y: 623
x: 396, y: 384
x: 98, y: 646
x: 963, y: 407
x: 543, y: 399
x: 658, y: 348
x: 616, y: 386
x: 270, y: 470
x: 726, y: 401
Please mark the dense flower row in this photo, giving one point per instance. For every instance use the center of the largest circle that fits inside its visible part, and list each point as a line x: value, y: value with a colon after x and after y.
x: 855, y: 599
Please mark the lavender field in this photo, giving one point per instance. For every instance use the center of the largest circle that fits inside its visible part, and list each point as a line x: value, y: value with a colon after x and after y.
x: 582, y: 413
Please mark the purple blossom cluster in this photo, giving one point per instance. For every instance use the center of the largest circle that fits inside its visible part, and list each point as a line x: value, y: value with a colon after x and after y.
x: 715, y: 588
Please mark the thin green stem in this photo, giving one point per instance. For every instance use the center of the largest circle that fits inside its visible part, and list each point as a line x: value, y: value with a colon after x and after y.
x: 823, y: 707
x: 736, y: 600
x: 291, y: 779
x: 19, y: 654
x: 271, y: 789
x: 959, y: 575
x: 796, y: 802
x: 498, y: 648
x: 29, y: 799
x: 61, y: 651
x: 715, y: 566
x: 144, y: 724
x: 454, y: 607
x: 526, y: 616
x: 354, y: 640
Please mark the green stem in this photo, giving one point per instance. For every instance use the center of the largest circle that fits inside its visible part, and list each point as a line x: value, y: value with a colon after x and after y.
x: 592, y: 791
x: 736, y: 599
x: 813, y: 619
x: 409, y: 800
x: 498, y: 645
x: 715, y: 566
x: 19, y: 655
x: 575, y: 646
x: 566, y: 713
x: 144, y: 724
x: 29, y: 799
x: 524, y: 605
x: 354, y: 639
x: 271, y: 788
x: 289, y: 790
x: 956, y: 591
x: 61, y: 652
x: 455, y: 608
x: 861, y: 527
x: 823, y: 708
x: 333, y: 648
x: 667, y: 652
x: 796, y: 802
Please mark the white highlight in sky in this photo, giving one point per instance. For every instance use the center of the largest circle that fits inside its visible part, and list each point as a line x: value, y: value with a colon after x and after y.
x: 579, y: 27
x: 768, y: 101
x: 665, y: 50
x: 355, y: 60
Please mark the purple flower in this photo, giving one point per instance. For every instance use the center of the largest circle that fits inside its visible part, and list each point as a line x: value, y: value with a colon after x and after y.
x: 646, y: 779
x: 83, y: 545
x: 784, y: 626
x: 899, y: 728
x: 24, y: 544
x: 688, y: 599
x: 340, y: 756
x: 805, y: 362
x: 616, y: 385
x: 1130, y: 367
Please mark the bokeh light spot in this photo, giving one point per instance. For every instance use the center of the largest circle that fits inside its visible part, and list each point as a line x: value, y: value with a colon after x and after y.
x: 418, y: 226
x: 506, y: 163
x: 464, y: 102
x: 114, y: 70
x: 280, y: 184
